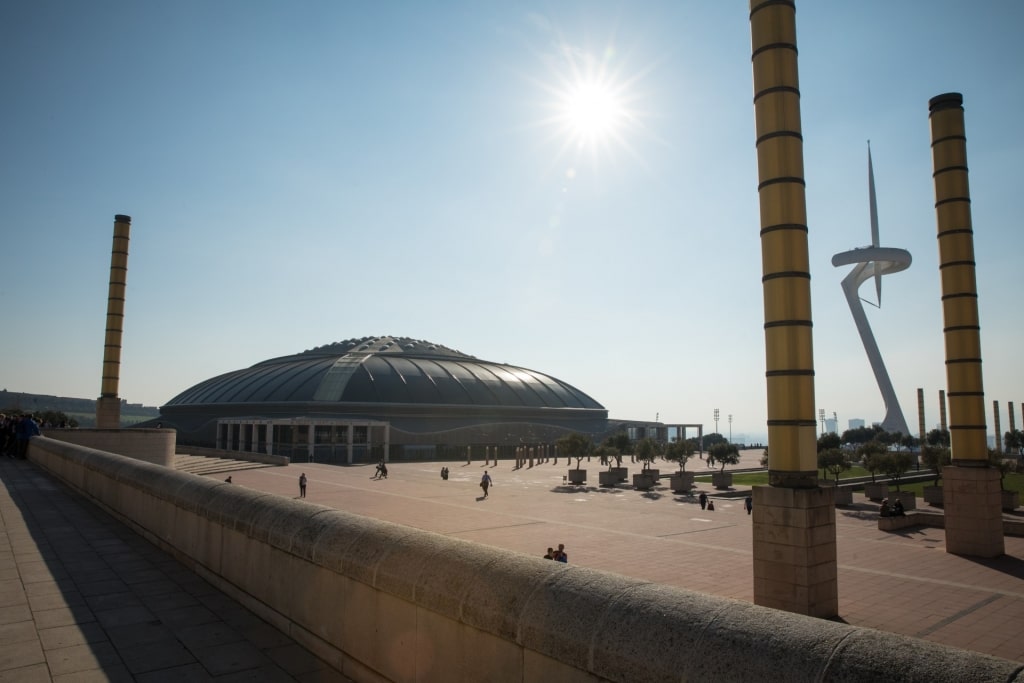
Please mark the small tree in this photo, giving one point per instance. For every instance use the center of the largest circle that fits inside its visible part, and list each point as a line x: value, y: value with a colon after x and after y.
x: 646, y: 451
x: 724, y: 453
x: 871, y: 454
x: 607, y: 454
x: 680, y: 452
x: 621, y: 442
x: 764, y: 459
x: 834, y: 460
x: 935, y: 458
x: 575, y: 445
x: 997, y: 461
x: 895, y: 465
x: 828, y: 440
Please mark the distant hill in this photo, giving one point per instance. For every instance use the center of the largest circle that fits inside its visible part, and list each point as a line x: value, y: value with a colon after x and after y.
x: 82, y: 409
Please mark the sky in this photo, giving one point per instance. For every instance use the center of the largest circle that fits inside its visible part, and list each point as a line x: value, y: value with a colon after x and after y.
x: 569, y: 187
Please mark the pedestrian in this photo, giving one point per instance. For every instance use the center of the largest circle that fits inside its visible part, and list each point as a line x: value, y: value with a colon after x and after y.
x: 703, y: 498
x: 485, y: 482
x: 560, y: 554
x: 302, y: 485
x: 550, y: 555
x: 748, y: 504
x: 383, y: 470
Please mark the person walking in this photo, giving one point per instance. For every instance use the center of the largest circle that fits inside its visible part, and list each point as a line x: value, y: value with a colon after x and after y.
x: 748, y: 504
x: 485, y: 482
x: 302, y: 485
x: 703, y: 498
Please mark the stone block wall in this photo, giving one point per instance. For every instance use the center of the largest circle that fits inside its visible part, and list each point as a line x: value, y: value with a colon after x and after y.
x: 384, y: 602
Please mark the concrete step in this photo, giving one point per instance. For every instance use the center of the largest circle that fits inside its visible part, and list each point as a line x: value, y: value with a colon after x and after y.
x: 198, y: 464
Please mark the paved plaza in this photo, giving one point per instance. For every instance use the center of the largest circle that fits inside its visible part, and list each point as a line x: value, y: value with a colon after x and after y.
x: 84, y: 598
x: 901, y: 582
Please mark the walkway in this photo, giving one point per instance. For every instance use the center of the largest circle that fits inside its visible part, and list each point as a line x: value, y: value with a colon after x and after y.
x: 83, y: 598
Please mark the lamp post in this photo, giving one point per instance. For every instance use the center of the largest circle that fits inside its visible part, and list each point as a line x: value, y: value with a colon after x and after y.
x: 821, y: 417
x: 730, y: 427
x: 716, y: 420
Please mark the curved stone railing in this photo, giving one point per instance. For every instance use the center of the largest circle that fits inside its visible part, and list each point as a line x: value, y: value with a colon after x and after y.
x: 384, y: 602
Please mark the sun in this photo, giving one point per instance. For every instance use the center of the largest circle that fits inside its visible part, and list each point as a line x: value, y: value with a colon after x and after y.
x: 592, y: 112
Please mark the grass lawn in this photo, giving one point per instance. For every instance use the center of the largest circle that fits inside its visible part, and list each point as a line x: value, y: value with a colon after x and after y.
x: 761, y: 478
x: 1012, y: 482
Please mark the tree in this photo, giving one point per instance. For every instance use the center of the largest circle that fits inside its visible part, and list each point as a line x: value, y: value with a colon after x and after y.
x: 712, y: 439
x: 1014, y: 441
x: 607, y: 454
x: 895, y: 465
x: 938, y: 437
x: 764, y: 459
x: 834, y: 460
x: 680, y: 452
x: 935, y: 458
x: 829, y: 440
x: 575, y: 445
x: 647, y: 449
x: 909, y: 442
x: 861, y: 435
x: 724, y: 453
x: 621, y: 442
x: 1003, y: 465
x: 871, y: 454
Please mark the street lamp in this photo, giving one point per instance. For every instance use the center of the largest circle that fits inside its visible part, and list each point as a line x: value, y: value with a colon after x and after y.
x: 821, y: 417
x: 730, y: 427
x: 716, y: 420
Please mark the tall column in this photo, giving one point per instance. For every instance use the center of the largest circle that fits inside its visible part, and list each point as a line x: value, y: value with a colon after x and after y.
x: 943, y: 424
x: 794, y: 518
x: 108, y: 405
x: 995, y: 419
x: 971, y: 487
x: 1013, y: 420
x: 920, y: 417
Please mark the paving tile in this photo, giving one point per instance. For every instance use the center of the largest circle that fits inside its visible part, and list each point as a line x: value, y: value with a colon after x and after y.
x: 207, y: 635
x: 67, y: 636
x: 188, y: 673
x: 156, y: 655
x: 81, y: 658
x: 18, y: 632
x: 34, y: 673
x: 230, y: 657
x: 19, y: 655
x: 62, y: 616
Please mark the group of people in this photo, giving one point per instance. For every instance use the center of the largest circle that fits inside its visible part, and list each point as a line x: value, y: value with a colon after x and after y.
x: 705, y: 502
x: 382, y: 471
x: 15, y: 432
x: 557, y: 555
x: 895, y: 509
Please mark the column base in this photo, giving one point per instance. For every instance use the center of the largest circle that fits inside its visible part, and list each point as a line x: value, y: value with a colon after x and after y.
x: 795, y: 550
x: 108, y: 412
x: 972, y: 497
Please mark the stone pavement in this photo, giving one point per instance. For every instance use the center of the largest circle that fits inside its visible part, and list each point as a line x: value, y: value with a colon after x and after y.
x: 84, y: 598
x: 901, y: 582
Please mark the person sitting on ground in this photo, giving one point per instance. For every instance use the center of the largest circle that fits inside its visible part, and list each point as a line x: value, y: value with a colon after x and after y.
x: 560, y: 554
x: 228, y: 480
x: 711, y: 505
x: 884, y: 510
x: 897, y: 509
x: 550, y: 555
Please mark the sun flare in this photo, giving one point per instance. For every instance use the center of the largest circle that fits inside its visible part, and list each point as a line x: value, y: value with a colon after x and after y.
x: 592, y: 112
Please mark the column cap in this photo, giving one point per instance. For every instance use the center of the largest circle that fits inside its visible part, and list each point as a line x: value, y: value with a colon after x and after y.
x: 121, y: 218
x: 947, y: 100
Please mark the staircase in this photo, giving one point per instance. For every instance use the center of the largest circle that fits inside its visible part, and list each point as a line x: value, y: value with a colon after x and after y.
x: 202, y: 465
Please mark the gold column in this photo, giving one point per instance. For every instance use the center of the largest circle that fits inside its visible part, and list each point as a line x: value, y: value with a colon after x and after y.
x: 1013, y: 419
x: 920, y: 416
x: 108, y: 407
x: 794, y: 547
x: 786, y: 277
x: 943, y: 425
x: 995, y: 420
x: 971, y: 488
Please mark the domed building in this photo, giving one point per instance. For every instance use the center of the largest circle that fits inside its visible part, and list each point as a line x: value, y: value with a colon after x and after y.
x: 362, y: 400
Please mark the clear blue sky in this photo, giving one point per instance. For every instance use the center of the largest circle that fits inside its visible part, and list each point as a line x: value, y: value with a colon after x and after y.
x: 305, y: 172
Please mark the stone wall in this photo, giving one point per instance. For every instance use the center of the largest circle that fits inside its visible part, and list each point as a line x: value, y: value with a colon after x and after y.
x: 150, y: 445
x: 384, y: 602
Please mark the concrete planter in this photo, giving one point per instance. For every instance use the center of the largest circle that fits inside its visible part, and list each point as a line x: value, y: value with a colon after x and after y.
x: 682, y: 482
x: 608, y: 478
x: 721, y: 480
x: 577, y: 477
x: 1011, y: 500
x: 844, y: 495
x: 621, y: 472
x: 876, y: 492
x: 644, y: 482
x: 908, y: 499
x: 653, y: 473
x: 933, y: 495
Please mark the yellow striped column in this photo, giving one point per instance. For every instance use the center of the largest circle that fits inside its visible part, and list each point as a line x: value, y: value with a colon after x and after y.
x: 793, y: 519
x: 971, y: 487
x: 108, y: 406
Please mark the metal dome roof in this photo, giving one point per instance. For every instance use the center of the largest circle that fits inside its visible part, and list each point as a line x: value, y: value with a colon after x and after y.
x: 390, y: 370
